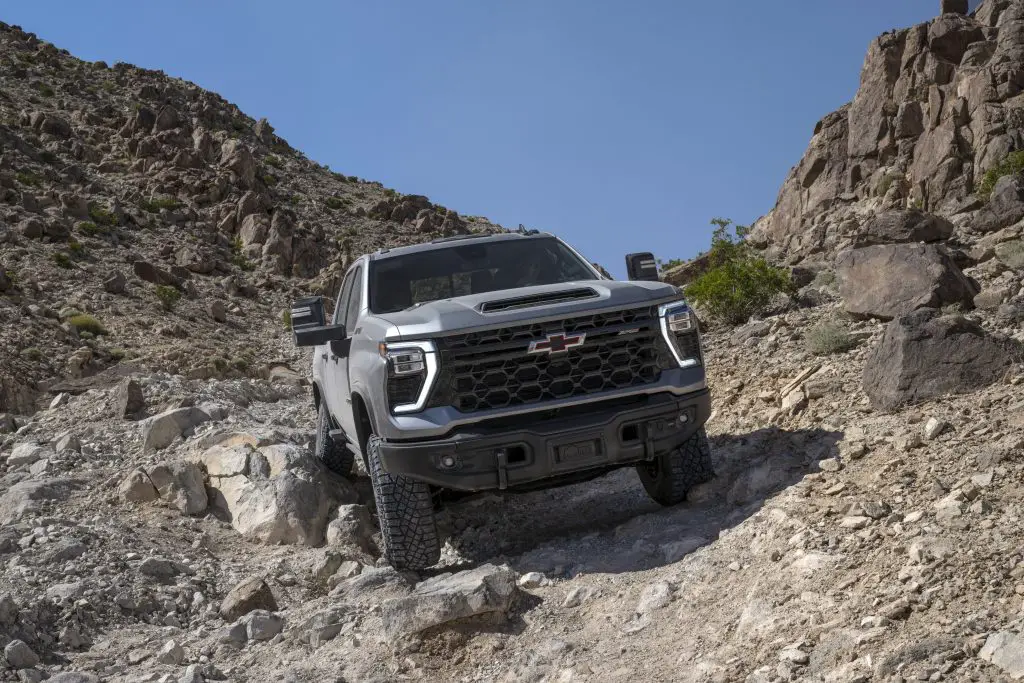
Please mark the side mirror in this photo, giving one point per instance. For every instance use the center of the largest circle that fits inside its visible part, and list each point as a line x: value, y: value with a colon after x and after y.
x: 308, y: 312
x: 309, y: 326
x: 642, y: 266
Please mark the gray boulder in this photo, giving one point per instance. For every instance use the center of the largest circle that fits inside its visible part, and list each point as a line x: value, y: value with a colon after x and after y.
x: 127, y: 399
x: 1011, y: 253
x: 145, y: 270
x: 182, y: 484
x: 449, y: 597
x: 161, y: 430
x: 886, y: 281
x: 28, y: 497
x: 137, y: 487
x: 925, y: 354
x: 894, y: 227
x: 19, y: 655
x: 251, y: 594
x: 1006, y: 651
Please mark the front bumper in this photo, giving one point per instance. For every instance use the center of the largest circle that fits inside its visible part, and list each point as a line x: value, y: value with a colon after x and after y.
x: 495, y: 456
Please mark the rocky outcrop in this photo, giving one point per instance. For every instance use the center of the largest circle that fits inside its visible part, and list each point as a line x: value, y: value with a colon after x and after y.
x: 885, y: 281
x: 276, y: 494
x: 938, y: 106
x: 925, y: 354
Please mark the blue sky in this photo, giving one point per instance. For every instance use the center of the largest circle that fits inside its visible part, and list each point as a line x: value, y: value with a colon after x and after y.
x: 620, y: 126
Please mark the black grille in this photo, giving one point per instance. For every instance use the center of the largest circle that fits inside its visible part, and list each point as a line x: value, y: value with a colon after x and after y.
x: 493, y: 369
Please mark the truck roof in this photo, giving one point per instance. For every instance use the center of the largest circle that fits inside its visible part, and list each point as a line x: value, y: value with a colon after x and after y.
x: 449, y: 241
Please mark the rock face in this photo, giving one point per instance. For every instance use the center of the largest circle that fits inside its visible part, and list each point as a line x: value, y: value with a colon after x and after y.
x: 274, y: 494
x: 450, y: 597
x: 1005, y: 650
x: 892, y: 227
x: 885, y: 281
x: 936, y: 109
x: 925, y: 354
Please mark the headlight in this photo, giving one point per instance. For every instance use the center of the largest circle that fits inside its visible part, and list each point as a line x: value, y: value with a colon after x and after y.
x: 412, y: 367
x: 679, y: 328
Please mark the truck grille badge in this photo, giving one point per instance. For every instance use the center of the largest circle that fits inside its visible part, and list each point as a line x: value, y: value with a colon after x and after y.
x: 557, y: 343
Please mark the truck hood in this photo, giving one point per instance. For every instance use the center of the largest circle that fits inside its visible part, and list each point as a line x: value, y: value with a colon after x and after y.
x: 526, y: 304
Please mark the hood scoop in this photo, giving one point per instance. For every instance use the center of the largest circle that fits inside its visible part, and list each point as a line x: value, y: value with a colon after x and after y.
x: 545, y: 299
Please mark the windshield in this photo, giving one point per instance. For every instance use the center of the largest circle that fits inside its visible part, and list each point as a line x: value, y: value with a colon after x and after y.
x: 399, y: 282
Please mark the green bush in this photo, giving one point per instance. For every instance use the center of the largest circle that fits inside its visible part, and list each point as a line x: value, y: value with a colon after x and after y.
x: 738, y: 282
x: 1013, y: 164
x: 45, y: 90
x: 269, y: 180
x: 334, y: 203
x: 62, y: 260
x: 828, y: 338
x: 90, y: 229
x: 168, y: 296
x: 238, y: 255
x: 154, y: 205
x: 28, y: 178
x: 102, y: 216
x: 274, y: 161
x: 31, y: 353
x: 83, y: 322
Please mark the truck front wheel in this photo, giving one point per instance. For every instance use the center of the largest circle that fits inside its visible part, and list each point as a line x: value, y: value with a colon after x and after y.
x: 670, y: 476
x: 405, y: 509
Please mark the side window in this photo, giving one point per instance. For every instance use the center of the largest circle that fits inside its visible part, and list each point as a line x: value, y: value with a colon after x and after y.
x: 339, y: 307
x: 354, y: 300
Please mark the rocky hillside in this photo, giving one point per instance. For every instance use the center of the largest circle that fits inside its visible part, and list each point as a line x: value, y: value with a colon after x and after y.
x: 163, y: 519
x: 146, y: 222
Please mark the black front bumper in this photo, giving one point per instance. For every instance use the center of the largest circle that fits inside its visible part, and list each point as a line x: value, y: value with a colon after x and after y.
x: 537, y: 446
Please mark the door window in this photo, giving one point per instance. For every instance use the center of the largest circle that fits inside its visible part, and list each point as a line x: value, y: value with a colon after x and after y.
x: 354, y: 300
x: 339, y: 307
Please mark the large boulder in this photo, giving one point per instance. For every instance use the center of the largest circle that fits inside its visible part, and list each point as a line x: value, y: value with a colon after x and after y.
x: 893, y: 227
x: 182, y: 484
x: 276, y: 494
x: 886, y: 281
x: 925, y: 354
x: 27, y: 498
x: 161, y: 430
x: 251, y: 594
x: 450, y: 597
x: 1005, y: 206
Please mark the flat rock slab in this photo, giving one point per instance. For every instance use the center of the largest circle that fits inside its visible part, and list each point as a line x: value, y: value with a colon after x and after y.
x: 25, y: 498
x: 1006, y: 651
x: 449, y: 597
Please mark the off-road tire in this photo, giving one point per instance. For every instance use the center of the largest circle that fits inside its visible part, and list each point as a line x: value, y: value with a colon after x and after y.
x: 405, y: 509
x: 337, y: 457
x: 670, y: 476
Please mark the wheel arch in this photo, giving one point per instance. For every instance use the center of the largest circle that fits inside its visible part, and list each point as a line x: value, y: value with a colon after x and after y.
x: 365, y: 422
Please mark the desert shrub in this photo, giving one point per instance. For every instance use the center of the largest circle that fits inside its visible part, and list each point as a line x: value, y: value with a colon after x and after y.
x: 334, y: 203
x: 238, y: 255
x: 168, y: 296
x: 90, y: 229
x: 154, y: 205
x: 83, y: 322
x: 31, y: 353
x: 738, y: 283
x: 62, y: 260
x: 45, y: 90
x: 28, y: 178
x: 274, y: 161
x: 828, y: 338
x: 1013, y: 164
x: 269, y: 180
x: 102, y: 216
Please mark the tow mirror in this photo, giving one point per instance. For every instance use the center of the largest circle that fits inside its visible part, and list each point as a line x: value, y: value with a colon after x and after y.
x: 642, y: 266
x: 309, y: 326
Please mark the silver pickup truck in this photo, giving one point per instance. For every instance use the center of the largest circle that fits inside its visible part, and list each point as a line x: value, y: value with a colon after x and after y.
x: 502, y: 362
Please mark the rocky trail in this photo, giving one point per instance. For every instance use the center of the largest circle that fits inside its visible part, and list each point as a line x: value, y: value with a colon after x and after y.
x: 162, y: 517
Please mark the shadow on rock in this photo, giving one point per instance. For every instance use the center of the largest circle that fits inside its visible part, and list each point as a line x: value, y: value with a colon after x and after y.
x: 609, y: 525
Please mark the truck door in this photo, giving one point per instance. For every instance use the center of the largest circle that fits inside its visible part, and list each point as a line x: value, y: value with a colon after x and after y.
x: 335, y: 366
x: 348, y: 315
